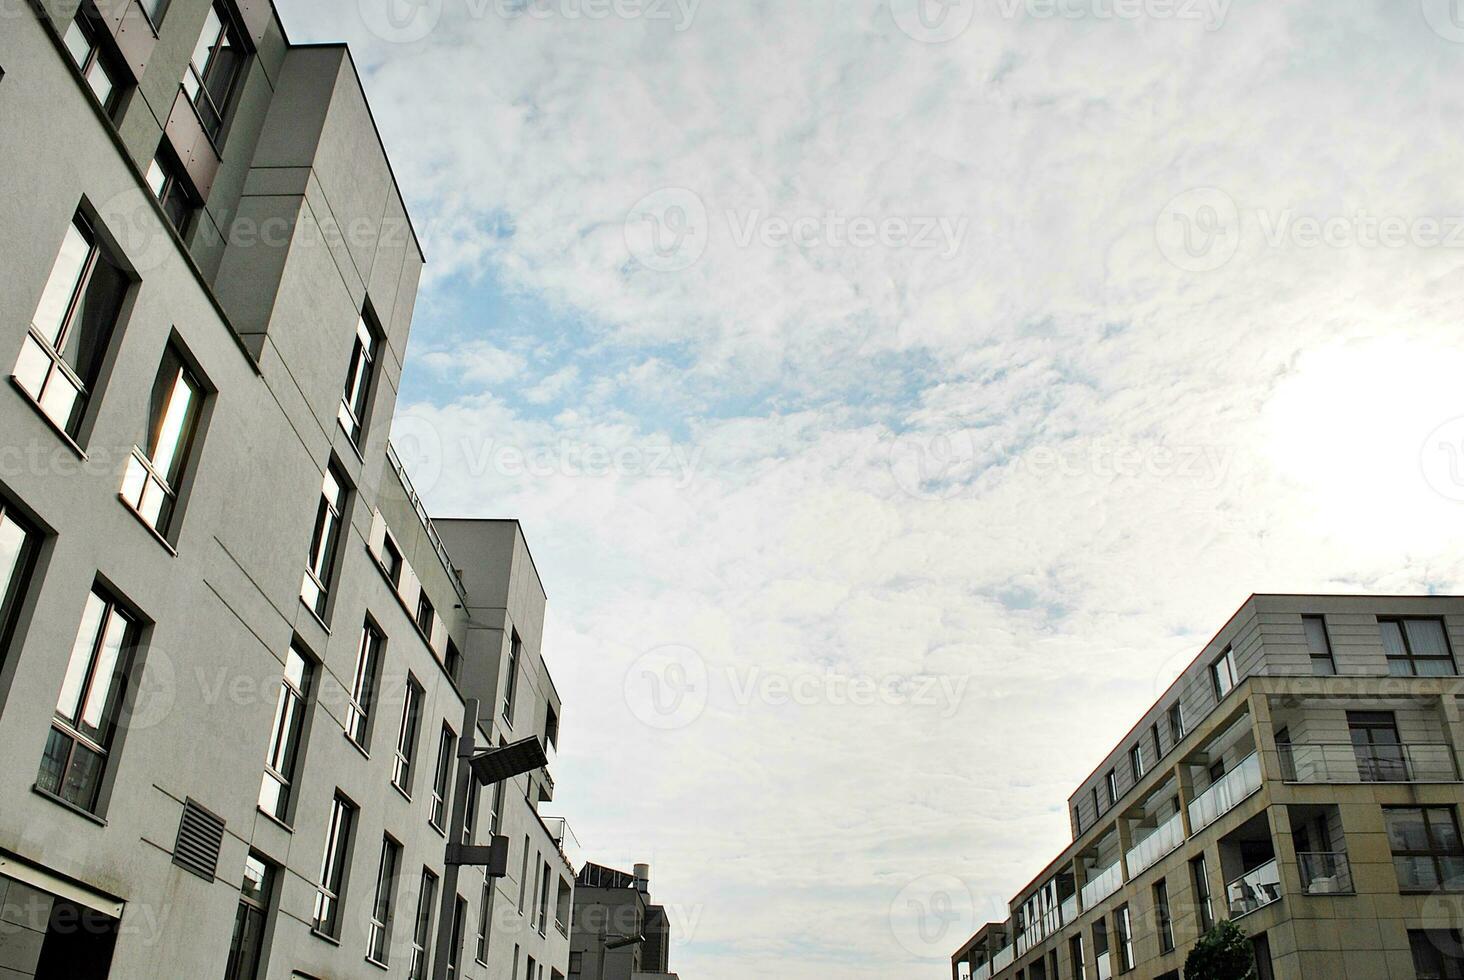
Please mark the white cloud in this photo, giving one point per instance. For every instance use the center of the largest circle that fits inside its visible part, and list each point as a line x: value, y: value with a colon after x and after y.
x: 1142, y: 445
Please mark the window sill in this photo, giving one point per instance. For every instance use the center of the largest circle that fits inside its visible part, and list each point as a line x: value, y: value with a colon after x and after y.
x: 274, y: 820
x: 351, y: 442
x: 68, y: 805
x: 315, y: 615
x: 402, y: 793
x: 65, y: 436
x: 355, y: 744
x: 440, y: 832
x: 156, y: 534
x: 324, y: 937
x: 378, y: 964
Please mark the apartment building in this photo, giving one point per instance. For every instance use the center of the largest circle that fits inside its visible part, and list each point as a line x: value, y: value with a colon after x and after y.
x: 1301, y: 778
x: 235, y: 652
x: 618, y: 934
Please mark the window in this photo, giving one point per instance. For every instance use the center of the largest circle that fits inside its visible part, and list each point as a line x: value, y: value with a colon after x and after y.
x: 563, y: 906
x: 470, y: 815
x: 1417, y: 648
x: 355, y: 398
x: 1162, y: 918
x: 515, y: 650
x: 441, y: 790
x: 485, y: 920
x: 406, y: 748
x: 378, y: 941
x: 1075, y: 953
x: 453, y: 660
x: 495, y: 819
x: 330, y: 893
x: 165, y: 179
x: 1158, y: 746
x: 1100, y: 949
x: 425, y: 614
x: 1201, y: 877
x: 363, y: 686
x: 18, y: 542
x: 455, y: 950
x: 576, y: 964
x: 1376, y: 746
x: 529, y: 973
x: 1438, y: 954
x: 1111, y: 782
x: 523, y: 877
x: 1176, y: 724
x: 1124, y: 927
x: 1319, y: 646
x: 83, y: 42
x: 62, y: 354
x: 156, y: 467
x: 315, y: 589
x: 284, y: 736
x: 544, y: 900
x: 247, y: 946
x: 213, y: 71
x: 391, y: 561
x: 422, y: 932
x: 1097, y: 809
x: 1136, y: 759
x: 1427, y: 853
x: 1223, y: 674
x: 86, y: 712
x: 535, y: 909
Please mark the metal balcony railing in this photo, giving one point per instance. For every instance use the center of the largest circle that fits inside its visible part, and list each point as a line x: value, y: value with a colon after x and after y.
x: 563, y: 836
x: 1325, y: 872
x: 1102, y: 884
x: 1226, y: 793
x: 1254, y: 890
x: 1343, y: 762
x: 1165, y: 839
x: 432, y: 536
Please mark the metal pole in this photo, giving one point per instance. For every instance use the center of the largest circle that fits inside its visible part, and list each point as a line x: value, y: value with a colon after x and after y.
x: 447, y: 910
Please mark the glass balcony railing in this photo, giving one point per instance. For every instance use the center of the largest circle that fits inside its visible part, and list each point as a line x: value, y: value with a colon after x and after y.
x: 1003, y: 959
x: 1325, y: 873
x: 982, y: 972
x: 1070, y: 909
x: 1102, y: 884
x: 1254, y: 890
x: 1163, y: 841
x: 1226, y: 793
x: 1343, y: 762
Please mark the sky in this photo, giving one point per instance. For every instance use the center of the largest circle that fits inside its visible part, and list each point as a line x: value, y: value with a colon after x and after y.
x: 897, y: 395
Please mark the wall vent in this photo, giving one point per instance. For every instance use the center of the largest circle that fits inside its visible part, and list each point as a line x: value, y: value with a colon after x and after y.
x: 200, y: 837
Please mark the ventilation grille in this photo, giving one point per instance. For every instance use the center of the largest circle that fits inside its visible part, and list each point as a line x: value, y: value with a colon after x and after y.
x: 200, y: 835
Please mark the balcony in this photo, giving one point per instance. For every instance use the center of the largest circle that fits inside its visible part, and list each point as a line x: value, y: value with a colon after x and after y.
x: 1325, y: 873
x: 1070, y: 909
x: 1102, y: 884
x: 982, y: 972
x: 1004, y: 958
x: 1165, y: 839
x: 1254, y: 890
x: 1227, y: 793
x: 564, y: 838
x: 1343, y: 762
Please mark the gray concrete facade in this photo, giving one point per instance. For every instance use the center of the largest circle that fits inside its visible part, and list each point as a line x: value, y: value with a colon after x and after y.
x: 295, y: 230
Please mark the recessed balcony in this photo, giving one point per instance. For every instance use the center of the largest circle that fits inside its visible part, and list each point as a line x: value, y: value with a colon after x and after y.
x: 1102, y: 884
x: 1165, y: 839
x: 1325, y: 873
x: 1346, y: 762
x: 1254, y: 890
x: 1226, y: 793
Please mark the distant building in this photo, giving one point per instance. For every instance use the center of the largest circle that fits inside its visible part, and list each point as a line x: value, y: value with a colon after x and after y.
x: 1301, y: 777
x: 618, y: 933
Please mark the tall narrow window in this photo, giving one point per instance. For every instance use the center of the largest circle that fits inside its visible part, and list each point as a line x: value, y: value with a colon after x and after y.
x: 544, y: 900
x: 86, y: 712
x: 1377, y: 747
x: 523, y: 877
x: 391, y: 561
x: 1437, y: 954
x: 165, y: 179
x: 1111, y: 782
x: 453, y: 660
x: 62, y: 354
x: 455, y: 947
x: 378, y: 941
x: 83, y: 42
x: 1162, y: 918
x: 422, y: 932
x: 1124, y: 926
x: 426, y: 613
x: 213, y: 71
x: 1136, y: 760
x: 1200, y: 874
x: 510, y: 684
x: 470, y: 817
x: 247, y: 946
x: 324, y: 541
x: 1319, y: 646
x: 495, y: 819
x: 156, y: 467
x: 284, y: 737
x: 1176, y: 723
x: 406, y: 749
x: 1417, y: 648
x: 441, y: 781
x: 363, y: 686
x: 1101, y: 956
x: 330, y: 893
x: 18, y: 542
x: 1223, y: 674
x: 1427, y: 852
x: 485, y: 920
x: 1075, y: 954
x: 355, y: 399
